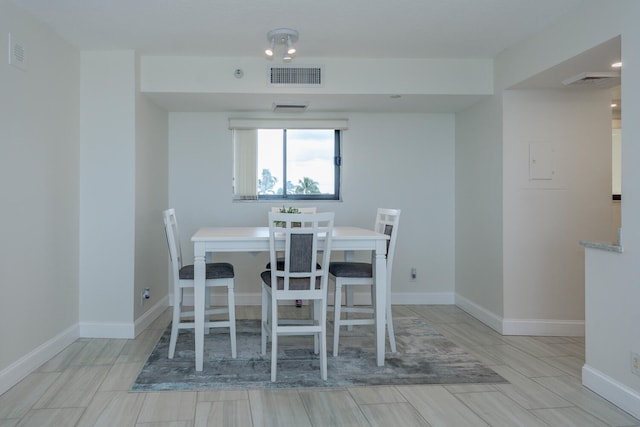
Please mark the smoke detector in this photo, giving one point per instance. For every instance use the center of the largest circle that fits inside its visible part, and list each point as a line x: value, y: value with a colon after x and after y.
x: 591, y: 78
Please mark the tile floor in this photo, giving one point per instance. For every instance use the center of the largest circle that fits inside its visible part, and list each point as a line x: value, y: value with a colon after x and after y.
x: 87, y: 385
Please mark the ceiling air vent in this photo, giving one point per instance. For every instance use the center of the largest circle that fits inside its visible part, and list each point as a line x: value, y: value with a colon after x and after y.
x: 289, y: 107
x: 591, y: 78
x: 295, y: 76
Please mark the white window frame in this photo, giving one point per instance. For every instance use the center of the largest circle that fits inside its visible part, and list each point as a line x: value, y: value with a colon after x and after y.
x: 245, y: 161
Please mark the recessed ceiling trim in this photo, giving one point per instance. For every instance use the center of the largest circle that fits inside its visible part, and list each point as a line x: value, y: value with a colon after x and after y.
x: 288, y: 107
x: 591, y: 77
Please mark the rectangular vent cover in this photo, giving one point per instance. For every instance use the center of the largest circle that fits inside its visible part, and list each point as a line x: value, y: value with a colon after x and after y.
x: 295, y: 76
x: 591, y: 78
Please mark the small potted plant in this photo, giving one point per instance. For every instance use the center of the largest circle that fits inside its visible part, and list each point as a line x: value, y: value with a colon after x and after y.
x: 290, y: 210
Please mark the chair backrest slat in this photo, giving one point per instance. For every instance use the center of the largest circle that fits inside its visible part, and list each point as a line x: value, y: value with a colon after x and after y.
x: 173, y: 241
x: 305, y: 241
x: 387, y: 222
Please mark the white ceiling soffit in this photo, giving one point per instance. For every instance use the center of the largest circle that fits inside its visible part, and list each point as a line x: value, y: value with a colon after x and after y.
x: 586, y: 66
x: 317, y: 103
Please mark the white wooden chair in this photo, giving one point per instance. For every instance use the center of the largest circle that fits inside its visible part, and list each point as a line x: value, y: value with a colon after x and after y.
x: 217, y: 275
x: 302, y: 209
x: 304, y: 248
x: 349, y: 274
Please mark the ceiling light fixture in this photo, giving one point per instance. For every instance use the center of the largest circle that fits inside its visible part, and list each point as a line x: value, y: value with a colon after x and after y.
x: 616, y: 65
x: 285, y: 37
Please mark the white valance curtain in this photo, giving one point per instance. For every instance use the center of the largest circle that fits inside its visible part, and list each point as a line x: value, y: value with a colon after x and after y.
x: 245, y: 148
x: 241, y: 123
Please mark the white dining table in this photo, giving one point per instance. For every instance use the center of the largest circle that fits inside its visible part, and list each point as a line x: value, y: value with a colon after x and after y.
x: 256, y: 239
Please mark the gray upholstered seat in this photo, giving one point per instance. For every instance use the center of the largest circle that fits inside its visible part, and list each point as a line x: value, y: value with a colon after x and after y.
x: 351, y: 269
x: 214, y: 270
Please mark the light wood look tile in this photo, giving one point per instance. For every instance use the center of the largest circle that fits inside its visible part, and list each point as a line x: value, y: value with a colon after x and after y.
x: 522, y: 362
x: 278, y: 408
x: 220, y: 395
x: 568, y: 364
x: 99, y: 351
x: 371, y: 395
x: 536, y: 347
x: 88, y: 383
x: 568, y: 417
x: 332, y: 408
x: 570, y: 389
x: 439, y: 407
x: 469, y: 388
x: 9, y: 422
x: 112, y: 408
x: 121, y: 376
x: 393, y: 414
x: 73, y: 388
x: 225, y: 413
x: 498, y: 410
x: 168, y: 406
x: 17, y: 401
x: 51, y: 417
x: 526, y: 392
x: 467, y: 336
x: 62, y: 360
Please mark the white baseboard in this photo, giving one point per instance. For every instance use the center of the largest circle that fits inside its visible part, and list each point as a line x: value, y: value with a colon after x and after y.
x: 615, y: 392
x: 150, y: 315
x: 22, y: 367
x: 533, y: 327
x: 543, y: 327
x: 423, y: 298
x: 482, y: 314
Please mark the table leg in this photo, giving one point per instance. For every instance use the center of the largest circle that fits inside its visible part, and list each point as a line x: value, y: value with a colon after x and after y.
x: 199, y: 303
x: 380, y: 274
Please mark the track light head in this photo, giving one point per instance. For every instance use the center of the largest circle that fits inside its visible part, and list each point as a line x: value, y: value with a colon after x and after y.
x: 285, y: 37
x: 270, y: 50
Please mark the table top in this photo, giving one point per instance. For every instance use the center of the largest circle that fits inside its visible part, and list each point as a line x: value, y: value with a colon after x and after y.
x: 262, y: 233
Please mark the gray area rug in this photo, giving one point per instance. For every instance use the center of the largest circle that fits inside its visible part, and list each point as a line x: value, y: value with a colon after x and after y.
x: 424, y: 357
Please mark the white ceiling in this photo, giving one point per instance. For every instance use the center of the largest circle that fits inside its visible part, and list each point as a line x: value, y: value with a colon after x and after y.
x: 328, y: 28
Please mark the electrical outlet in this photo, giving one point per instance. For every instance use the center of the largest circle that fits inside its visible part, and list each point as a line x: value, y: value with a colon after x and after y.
x: 635, y: 363
x: 414, y: 274
x: 145, y: 295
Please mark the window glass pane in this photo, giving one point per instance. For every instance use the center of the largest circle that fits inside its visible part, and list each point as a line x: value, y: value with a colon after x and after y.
x: 301, y: 160
x: 270, y: 158
x: 310, y: 155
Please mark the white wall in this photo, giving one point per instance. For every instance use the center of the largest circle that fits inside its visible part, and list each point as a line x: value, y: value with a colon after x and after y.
x: 39, y: 172
x: 395, y: 161
x: 107, y: 193
x: 151, y: 198
x: 544, y: 219
x: 612, y: 286
x: 611, y: 280
x: 478, y: 192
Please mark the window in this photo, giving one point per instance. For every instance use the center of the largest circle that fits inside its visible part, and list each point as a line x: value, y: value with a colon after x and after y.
x: 289, y: 162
